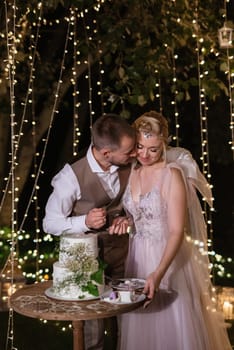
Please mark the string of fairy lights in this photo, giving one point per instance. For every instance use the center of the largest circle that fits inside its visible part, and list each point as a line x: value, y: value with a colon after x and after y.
x: 230, y: 79
x: 231, y: 102
x: 12, y: 39
x: 74, y: 82
x: 88, y: 76
x: 100, y: 80
x: 158, y: 91
x: 174, y: 100
x: 11, y: 51
x: 90, y: 33
x: 203, y: 108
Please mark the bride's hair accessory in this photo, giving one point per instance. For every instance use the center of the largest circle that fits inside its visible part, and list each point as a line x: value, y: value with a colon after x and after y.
x: 152, y: 123
x: 147, y: 134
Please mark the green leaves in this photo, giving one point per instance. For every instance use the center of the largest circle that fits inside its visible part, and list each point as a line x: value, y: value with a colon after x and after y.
x: 91, y: 288
x: 137, y: 38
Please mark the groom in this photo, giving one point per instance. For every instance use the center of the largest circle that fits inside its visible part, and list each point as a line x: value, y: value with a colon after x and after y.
x: 87, y: 196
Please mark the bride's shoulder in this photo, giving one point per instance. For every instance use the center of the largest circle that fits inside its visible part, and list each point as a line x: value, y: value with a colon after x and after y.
x: 173, y: 169
x: 174, y: 154
x: 173, y: 174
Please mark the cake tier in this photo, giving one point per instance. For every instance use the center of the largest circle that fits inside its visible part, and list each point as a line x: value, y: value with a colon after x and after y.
x: 65, y: 285
x: 71, y: 244
x: 76, y: 275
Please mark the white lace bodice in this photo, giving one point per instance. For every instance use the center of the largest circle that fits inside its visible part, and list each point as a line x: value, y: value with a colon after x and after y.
x: 149, y: 215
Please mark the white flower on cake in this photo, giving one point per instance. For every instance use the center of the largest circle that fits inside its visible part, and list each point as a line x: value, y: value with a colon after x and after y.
x: 78, y: 274
x: 80, y: 260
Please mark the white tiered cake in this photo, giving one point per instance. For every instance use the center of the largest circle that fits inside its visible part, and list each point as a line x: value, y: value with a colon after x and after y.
x: 77, y: 275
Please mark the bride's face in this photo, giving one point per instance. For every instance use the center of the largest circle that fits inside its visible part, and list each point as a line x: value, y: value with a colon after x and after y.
x: 149, y: 148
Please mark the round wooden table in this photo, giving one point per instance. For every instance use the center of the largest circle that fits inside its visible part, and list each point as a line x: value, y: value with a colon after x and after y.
x: 31, y: 301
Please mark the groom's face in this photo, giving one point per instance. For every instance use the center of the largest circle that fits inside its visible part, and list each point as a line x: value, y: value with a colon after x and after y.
x: 125, y: 153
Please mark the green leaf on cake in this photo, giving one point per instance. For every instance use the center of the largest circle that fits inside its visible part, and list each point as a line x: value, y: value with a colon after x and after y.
x: 97, y: 276
x: 102, y: 264
x: 91, y: 288
x: 78, y: 278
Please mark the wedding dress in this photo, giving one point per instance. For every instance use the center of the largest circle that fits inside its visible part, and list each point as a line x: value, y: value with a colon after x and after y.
x: 182, y: 315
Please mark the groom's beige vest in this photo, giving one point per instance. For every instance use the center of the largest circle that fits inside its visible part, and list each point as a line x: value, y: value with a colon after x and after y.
x: 113, y: 247
x: 93, y: 194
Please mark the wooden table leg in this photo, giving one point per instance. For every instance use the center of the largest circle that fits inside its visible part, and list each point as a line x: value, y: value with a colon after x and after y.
x: 78, y: 335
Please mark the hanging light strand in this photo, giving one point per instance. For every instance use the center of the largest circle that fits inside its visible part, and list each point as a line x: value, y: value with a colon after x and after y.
x: 35, y: 198
x: 88, y: 75
x: 158, y: 92
x: 174, y: 101
x: 11, y: 51
x: 101, y: 73
x: 74, y: 81
x: 230, y: 78
x: 231, y: 101
x: 203, y: 108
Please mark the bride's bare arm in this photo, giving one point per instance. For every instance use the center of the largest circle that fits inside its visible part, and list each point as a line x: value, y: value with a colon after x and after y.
x: 176, y: 201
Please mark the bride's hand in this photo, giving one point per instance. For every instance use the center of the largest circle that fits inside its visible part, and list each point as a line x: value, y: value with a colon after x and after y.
x: 119, y: 226
x: 152, y: 285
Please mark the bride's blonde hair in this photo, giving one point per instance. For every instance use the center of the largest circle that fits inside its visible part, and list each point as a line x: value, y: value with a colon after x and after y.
x: 153, y: 123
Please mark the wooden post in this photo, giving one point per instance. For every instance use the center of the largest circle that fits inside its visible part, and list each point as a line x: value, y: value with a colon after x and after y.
x: 78, y: 335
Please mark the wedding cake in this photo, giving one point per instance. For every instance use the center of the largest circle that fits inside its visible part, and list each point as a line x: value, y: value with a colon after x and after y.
x: 78, y: 274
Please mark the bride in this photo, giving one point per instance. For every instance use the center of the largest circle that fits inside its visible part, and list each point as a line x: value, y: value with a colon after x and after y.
x: 167, y: 223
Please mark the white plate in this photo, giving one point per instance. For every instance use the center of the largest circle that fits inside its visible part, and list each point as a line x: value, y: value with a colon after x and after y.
x: 51, y: 294
x: 105, y: 297
x: 128, y: 283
